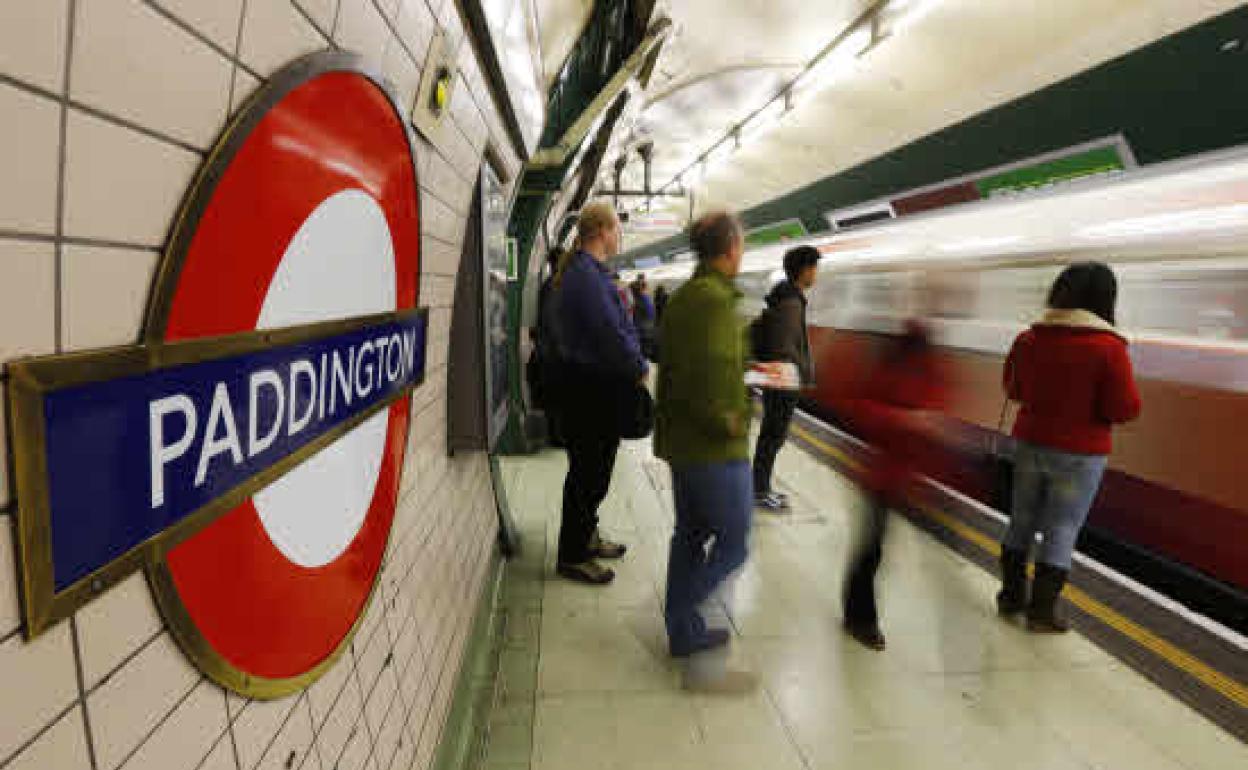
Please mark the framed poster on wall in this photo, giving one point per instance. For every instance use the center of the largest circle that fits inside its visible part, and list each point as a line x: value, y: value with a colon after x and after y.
x: 498, y: 269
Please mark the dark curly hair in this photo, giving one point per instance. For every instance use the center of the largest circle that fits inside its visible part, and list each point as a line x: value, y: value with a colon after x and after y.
x: 798, y: 259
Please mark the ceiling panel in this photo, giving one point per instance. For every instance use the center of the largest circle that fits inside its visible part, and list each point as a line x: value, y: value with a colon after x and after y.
x: 559, y: 26
x: 959, y: 58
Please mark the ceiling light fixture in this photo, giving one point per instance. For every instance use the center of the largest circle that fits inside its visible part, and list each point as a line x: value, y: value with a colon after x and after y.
x: 718, y: 155
x: 763, y: 120
x: 836, y: 63
x: 826, y: 69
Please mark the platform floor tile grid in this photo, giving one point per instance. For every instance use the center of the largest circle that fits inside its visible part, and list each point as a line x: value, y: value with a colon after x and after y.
x: 585, y: 681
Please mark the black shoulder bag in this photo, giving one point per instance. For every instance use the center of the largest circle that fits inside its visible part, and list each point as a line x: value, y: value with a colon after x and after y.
x: 1001, y: 466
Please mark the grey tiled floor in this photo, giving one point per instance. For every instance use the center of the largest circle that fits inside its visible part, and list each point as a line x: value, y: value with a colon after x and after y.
x: 586, y: 682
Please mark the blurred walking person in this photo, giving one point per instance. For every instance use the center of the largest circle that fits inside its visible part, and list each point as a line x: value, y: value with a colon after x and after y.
x: 904, y: 382
x: 1071, y: 374
x: 702, y: 424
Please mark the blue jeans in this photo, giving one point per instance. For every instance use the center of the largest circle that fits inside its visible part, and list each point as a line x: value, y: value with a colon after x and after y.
x: 714, y: 504
x: 1053, y: 492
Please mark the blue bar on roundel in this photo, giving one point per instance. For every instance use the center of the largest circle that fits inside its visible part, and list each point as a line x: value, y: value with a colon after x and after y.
x: 130, y: 457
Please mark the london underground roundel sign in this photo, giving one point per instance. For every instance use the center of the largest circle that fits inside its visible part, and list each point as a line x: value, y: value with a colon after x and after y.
x: 248, y: 453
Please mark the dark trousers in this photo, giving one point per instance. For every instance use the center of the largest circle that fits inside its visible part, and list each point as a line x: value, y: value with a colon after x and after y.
x: 591, y: 460
x: 860, y: 606
x: 778, y: 408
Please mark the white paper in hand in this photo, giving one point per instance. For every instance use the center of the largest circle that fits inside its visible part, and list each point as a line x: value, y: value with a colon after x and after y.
x: 774, y: 375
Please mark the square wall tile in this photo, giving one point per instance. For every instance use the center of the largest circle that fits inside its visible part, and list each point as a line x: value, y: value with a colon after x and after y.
x: 437, y: 257
x: 104, y: 295
x: 392, y: 732
x: 132, y: 62
x: 405, y: 757
x: 29, y: 145
x: 27, y: 299
x: 244, y: 86
x: 321, y: 11
x: 415, y: 26
x: 389, y: 7
x: 362, y: 29
x: 131, y: 703
x: 218, y: 20
x: 402, y: 74
x: 114, y: 626
x: 274, y: 34
x: 33, y: 37
x: 345, y: 720
x: 259, y: 723
x: 184, y: 739
x: 39, y: 683
x: 10, y: 608
x: 440, y: 221
x: 325, y: 691
x: 222, y: 757
x: 121, y: 185
x: 358, y: 754
x: 448, y: 13
x: 63, y: 747
x: 293, y: 744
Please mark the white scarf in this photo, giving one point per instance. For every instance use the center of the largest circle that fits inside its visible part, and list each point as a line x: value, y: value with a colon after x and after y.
x: 1079, y: 319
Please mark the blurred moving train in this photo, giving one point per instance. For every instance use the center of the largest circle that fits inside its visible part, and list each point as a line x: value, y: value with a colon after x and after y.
x: 1173, y: 509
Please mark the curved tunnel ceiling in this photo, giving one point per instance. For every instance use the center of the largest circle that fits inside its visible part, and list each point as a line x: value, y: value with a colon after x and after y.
x: 957, y: 58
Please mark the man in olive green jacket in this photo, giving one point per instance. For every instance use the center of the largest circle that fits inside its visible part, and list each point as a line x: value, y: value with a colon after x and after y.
x: 701, y: 430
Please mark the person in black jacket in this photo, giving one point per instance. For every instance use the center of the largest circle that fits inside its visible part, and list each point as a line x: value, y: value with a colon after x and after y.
x: 783, y: 339
x: 545, y: 372
x: 644, y: 318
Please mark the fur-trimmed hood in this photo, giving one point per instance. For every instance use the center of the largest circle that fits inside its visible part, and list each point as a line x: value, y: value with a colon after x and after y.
x: 1079, y: 319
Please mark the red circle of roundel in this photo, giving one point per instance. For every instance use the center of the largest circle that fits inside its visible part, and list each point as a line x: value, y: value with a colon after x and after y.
x: 262, y: 613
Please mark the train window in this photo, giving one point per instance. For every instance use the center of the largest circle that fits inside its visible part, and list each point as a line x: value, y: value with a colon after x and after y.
x: 951, y: 295
x: 1186, y: 299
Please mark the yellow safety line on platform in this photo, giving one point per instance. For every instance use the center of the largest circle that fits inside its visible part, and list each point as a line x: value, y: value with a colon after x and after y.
x: 1204, y: 673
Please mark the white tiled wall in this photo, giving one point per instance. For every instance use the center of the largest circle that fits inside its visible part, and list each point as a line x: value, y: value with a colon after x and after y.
x: 109, y: 108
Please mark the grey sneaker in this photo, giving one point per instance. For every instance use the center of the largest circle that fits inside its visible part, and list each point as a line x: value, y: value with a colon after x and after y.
x: 772, y: 502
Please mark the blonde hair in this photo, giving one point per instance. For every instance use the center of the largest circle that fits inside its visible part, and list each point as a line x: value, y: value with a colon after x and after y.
x: 561, y: 267
x: 595, y: 218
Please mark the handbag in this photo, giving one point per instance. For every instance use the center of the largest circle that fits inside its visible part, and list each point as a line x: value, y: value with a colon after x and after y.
x: 1001, y: 467
x: 636, y: 411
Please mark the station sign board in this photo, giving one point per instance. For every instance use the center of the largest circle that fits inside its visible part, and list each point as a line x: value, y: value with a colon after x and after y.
x: 247, y: 453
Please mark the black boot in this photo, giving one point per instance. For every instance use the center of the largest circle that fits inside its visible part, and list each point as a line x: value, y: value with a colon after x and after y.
x: 1012, y: 599
x: 1045, y: 589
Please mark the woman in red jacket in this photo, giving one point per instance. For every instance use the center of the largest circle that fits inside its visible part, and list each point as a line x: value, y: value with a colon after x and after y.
x: 906, y: 380
x: 1072, y: 376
